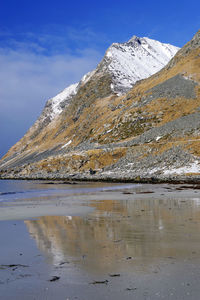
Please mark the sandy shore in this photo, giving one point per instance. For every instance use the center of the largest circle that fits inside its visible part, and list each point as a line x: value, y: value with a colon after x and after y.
x: 61, y: 203
x: 140, y: 242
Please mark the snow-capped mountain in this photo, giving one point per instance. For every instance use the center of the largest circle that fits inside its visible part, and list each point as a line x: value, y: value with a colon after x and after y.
x: 136, y: 59
x: 96, y: 125
x: 90, y: 132
x: 126, y: 63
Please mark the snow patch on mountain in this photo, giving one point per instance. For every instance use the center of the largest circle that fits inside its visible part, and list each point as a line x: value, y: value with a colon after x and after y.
x: 67, y: 144
x: 63, y: 99
x: 64, y: 96
x: 136, y: 59
x: 192, y: 168
x: 86, y: 77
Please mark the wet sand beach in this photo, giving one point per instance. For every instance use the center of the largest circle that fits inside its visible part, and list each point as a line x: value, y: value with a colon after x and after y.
x: 99, y: 241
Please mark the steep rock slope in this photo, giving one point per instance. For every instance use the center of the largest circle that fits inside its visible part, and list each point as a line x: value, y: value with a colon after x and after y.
x: 122, y: 65
x: 152, y: 131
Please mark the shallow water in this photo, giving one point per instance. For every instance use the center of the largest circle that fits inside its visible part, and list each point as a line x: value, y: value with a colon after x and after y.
x: 109, y: 241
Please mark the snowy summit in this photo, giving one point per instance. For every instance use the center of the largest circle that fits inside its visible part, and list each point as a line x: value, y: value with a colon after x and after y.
x: 136, y: 59
x: 126, y: 63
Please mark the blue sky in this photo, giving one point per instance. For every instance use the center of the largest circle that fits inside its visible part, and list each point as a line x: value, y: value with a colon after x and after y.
x: 47, y: 45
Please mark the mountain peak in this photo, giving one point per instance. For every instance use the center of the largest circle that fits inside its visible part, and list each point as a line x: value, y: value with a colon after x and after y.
x: 134, y: 60
x: 135, y: 39
x: 125, y: 63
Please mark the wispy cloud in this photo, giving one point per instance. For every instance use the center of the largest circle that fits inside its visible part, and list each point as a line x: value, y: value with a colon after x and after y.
x: 40, y: 76
x: 54, y: 39
x: 29, y: 76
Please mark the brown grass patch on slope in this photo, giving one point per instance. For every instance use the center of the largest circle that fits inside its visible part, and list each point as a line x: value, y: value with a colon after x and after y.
x: 101, y: 159
x: 190, y: 144
x: 194, y: 146
x: 172, y: 109
x: 94, y: 159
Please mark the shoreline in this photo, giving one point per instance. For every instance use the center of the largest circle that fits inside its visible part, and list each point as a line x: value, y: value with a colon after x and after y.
x: 78, y: 178
x: 59, y: 201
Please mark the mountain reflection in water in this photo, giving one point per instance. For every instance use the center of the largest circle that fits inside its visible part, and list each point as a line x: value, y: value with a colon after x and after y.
x: 117, y: 231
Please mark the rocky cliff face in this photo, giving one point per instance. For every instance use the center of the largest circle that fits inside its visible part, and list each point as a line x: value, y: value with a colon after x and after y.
x: 111, y: 126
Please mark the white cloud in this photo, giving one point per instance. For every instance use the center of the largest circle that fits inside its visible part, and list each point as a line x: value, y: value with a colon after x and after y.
x: 28, y: 79
x: 30, y: 74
